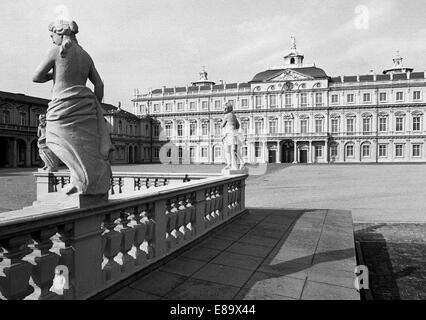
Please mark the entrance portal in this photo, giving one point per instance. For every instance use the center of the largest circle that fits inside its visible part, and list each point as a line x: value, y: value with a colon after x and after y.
x: 303, y: 156
x: 272, y: 156
x: 288, y: 151
x: 4, y: 155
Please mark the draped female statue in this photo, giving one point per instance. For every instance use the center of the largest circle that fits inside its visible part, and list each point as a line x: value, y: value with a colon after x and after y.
x: 75, y: 127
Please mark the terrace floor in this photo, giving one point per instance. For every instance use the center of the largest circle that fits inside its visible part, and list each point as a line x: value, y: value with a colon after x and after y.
x: 265, y: 254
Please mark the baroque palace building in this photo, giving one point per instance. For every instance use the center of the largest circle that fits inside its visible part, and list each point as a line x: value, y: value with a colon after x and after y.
x: 19, y: 119
x: 294, y: 113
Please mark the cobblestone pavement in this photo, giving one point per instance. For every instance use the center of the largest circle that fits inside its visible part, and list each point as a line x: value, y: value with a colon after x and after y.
x: 396, y: 257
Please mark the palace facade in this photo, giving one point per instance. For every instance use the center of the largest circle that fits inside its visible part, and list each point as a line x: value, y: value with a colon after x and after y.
x: 295, y: 113
x: 19, y: 116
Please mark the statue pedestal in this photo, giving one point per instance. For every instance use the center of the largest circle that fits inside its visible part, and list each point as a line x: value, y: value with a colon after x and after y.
x: 231, y: 172
x: 75, y: 200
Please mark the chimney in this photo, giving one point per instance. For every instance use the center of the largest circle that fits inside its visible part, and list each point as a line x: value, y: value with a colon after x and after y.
x: 342, y: 78
x: 408, y: 75
x: 375, y: 77
x: 391, y: 76
x: 357, y: 78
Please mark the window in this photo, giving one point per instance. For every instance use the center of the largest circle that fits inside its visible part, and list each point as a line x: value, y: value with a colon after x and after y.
x: 399, y: 150
x: 273, y: 101
x: 349, y: 151
x: 333, y: 151
x: 6, y: 117
x: 22, y: 118
x: 120, y: 127
x: 156, y: 130
x: 192, y: 106
x: 168, y: 107
x: 383, y: 97
x: 303, y: 99
x: 258, y: 101
x: 318, y: 151
x: 258, y: 127
x: 350, y: 98
x: 273, y: 126
x: 416, y: 124
x: 205, y: 129
x: 37, y: 120
x: 217, y: 152
x: 383, y: 124
x: 193, y: 129
x: 288, y: 126
x: 318, y: 126
x: 257, y: 150
x: 244, y: 103
x: 180, y: 152
x: 350, y: 125
x: 416, y: 95
x: 244, y: 151
x: 383, y: 150
x: 218, y: 105
x: 217, y: 128
x: 156, y: 153
x: 367, y: 97
x: 416, y: 150
x: 168, y: 129
x: 180, y: 106
x: 169, y: 153
x: 334, y: 125
x: 366, y: 125
x: 204, y: 152
x: 318, y: 99
x: 400, y: 96
x: 245, y: 126
x: 156, y: 107
x: 399, y: 124
x: 366, y: 150
x: 205, y: 105
x: 288, y: 100
x: 303, y: 126
x: 180, y: 129
x: 335, y: 98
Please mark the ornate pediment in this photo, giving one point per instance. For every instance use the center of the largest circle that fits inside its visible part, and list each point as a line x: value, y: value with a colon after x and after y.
x: 290, y: 75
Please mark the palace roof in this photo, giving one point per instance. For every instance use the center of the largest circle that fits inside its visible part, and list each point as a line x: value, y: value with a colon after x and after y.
x: 313, y: 72
x: 19, y: 97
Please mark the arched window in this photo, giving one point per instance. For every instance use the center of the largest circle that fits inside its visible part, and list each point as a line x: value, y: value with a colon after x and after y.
x: 120, y: 127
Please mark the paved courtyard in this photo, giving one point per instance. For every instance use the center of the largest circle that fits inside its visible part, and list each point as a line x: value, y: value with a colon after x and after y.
x: 264, y: 255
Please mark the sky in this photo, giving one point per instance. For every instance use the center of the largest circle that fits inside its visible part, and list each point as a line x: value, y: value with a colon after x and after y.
x: 153, y: 43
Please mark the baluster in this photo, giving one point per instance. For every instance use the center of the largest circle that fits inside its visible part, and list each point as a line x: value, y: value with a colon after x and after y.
x: 187, y: 222
x: 140, y: 227
x: 15, y: 272
x: 66, y: 258
x: 112, y: 183
x: 218, y: 212
x: 44, y: 261
x: 180, y: 219
x: 150, y: 231
x: 112, y: 243
x: 128, y: 237
x: 209, y: 208
x: 147, y: 184
x: 225, y: 201
x: 171, y: 217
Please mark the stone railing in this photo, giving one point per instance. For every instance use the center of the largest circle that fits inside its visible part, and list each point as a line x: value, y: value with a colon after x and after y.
x: 121, y: 182
x: 91, y: 249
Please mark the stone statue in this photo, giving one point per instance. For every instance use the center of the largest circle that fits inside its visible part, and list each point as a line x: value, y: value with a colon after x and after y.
x: 75, y: 129
x: 232, y: 140
x: 51, y: 161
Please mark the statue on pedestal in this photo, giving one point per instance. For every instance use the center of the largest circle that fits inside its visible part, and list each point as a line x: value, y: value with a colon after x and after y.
x: 51, y: 162
x: 75, y: 127
x: 232, y: 140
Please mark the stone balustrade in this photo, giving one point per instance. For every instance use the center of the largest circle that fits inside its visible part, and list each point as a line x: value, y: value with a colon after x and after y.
x: 96, y: 247
x: 121, y: 182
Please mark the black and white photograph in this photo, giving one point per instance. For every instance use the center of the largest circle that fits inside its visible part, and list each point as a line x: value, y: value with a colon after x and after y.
x: 213, y: 155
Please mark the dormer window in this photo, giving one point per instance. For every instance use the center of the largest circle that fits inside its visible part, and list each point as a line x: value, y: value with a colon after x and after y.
x: 292, y: 61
